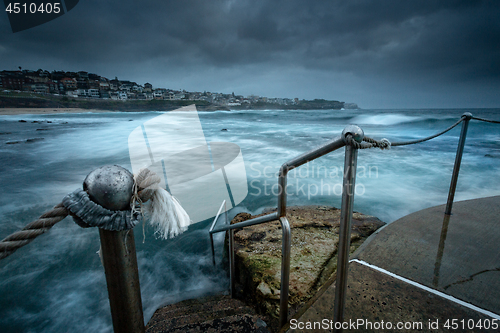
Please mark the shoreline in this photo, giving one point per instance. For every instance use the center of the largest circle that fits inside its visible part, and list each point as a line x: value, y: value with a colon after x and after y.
x: 36, y: 111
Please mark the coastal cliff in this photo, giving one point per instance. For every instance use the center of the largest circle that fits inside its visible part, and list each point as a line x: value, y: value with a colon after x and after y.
x: 25, y: 100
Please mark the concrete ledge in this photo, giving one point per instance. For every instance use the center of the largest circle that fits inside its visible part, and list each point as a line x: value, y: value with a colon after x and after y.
x: 373, y: 297
x: 458, y: 255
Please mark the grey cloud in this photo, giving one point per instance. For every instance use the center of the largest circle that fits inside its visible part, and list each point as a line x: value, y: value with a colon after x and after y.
x: 418, y: 42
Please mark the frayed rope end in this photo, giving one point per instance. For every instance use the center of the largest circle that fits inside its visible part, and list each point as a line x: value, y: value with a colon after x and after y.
x: 164, y: 212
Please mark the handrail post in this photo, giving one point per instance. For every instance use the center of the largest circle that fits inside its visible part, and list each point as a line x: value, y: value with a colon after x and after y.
x: 285, y: 269
x: 111, y: 188
x: 349, y: 179
x: 122, y: 277
x: 232, y: 268
x: 212, y: 228
x: 281, y: 215
x: 458, y: 160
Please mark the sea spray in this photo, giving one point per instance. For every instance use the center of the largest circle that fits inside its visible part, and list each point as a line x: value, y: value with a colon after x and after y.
x: 57, y: 283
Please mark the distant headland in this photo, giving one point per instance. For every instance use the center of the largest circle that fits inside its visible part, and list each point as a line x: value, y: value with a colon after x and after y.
x: 60, y: 89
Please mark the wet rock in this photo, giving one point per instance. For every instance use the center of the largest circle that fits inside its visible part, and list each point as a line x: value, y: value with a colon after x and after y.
x: 22, y: 121
x: 12, y: 142
x: 313, y: 255
x: 43, y: 129
x: 264, y: 289
x: 224, y: 130
x: 34, y: 140
x: 216, y: 313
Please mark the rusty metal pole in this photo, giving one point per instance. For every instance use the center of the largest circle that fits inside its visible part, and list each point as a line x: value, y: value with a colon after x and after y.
x: 111, y: 187
x: 122, y: 277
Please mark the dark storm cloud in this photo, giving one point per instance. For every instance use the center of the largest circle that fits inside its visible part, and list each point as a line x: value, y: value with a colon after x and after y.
x: 421, y: 43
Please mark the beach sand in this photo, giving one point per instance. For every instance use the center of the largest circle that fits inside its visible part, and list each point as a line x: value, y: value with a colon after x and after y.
x: 14, y: 111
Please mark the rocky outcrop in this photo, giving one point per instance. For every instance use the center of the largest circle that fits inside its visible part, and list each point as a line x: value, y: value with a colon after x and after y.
x: 313, y: 256
x: 258, y: 271
x: 351, y: 106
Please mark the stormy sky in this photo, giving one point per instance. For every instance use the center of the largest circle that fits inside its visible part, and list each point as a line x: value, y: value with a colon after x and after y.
x: 379, y: 54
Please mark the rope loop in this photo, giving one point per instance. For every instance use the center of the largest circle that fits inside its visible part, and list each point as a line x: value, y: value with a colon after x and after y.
x: 368, y: 143
x: 90, y: 214
x: 351, y: 142
x: 145, y: 184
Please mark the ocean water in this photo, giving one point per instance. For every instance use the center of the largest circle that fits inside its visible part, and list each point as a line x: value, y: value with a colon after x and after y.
x: 57, y: 283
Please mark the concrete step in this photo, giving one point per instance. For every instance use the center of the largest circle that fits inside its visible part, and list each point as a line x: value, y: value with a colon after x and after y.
x: 218, y: 313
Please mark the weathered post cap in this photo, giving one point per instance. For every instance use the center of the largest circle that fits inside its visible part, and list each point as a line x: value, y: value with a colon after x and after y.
x: 467, y: 115
x: 110, y: 186
x: 355, y: 131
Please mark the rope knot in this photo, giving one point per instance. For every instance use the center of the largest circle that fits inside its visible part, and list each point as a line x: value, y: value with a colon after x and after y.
x: 164, y: 211
x: 368, y: 143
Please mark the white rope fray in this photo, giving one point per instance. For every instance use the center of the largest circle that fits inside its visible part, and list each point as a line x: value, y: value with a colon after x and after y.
x: 164, y: 212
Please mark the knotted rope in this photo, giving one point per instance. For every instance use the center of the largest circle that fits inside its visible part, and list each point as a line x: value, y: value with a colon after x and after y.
x: 367, y: 143
x: 165, y: 212
x: 146, y: 182
x: 87, y: 213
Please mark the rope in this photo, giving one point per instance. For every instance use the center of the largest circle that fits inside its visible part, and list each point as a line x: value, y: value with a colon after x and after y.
x: 367, y: 143
x: 404, y: 143
x: 487, y: 120
x: 145, y: 184
x: 143, y: 190
x: 20, y: 238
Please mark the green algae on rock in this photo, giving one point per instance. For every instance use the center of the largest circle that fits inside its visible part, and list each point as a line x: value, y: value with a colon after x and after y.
x: 313, y: 255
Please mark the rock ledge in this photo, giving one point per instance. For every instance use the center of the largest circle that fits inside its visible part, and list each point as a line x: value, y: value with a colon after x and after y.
x: 313, y: 256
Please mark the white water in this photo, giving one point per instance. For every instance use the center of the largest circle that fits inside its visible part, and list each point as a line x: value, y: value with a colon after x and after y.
x: 57, y: 283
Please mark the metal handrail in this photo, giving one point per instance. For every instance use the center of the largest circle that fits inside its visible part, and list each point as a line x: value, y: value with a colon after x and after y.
x: 123, y: 246
x: 458, y: 161
x: 281, y: 216
x: 212, y: 228
x: 285, y: 168
x: 349, y: 177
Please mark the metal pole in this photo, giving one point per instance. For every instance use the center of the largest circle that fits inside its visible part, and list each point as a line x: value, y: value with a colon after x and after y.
x: 458, y: 160
x: 212, y: 228
x: 213, y: 247
x: 122, y: 277
x: 282, y: 180
x: 111, y: 187
x: 350, y: 163
x: 285, y: 270
x: 232, y: 268
x: 440, y: 252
